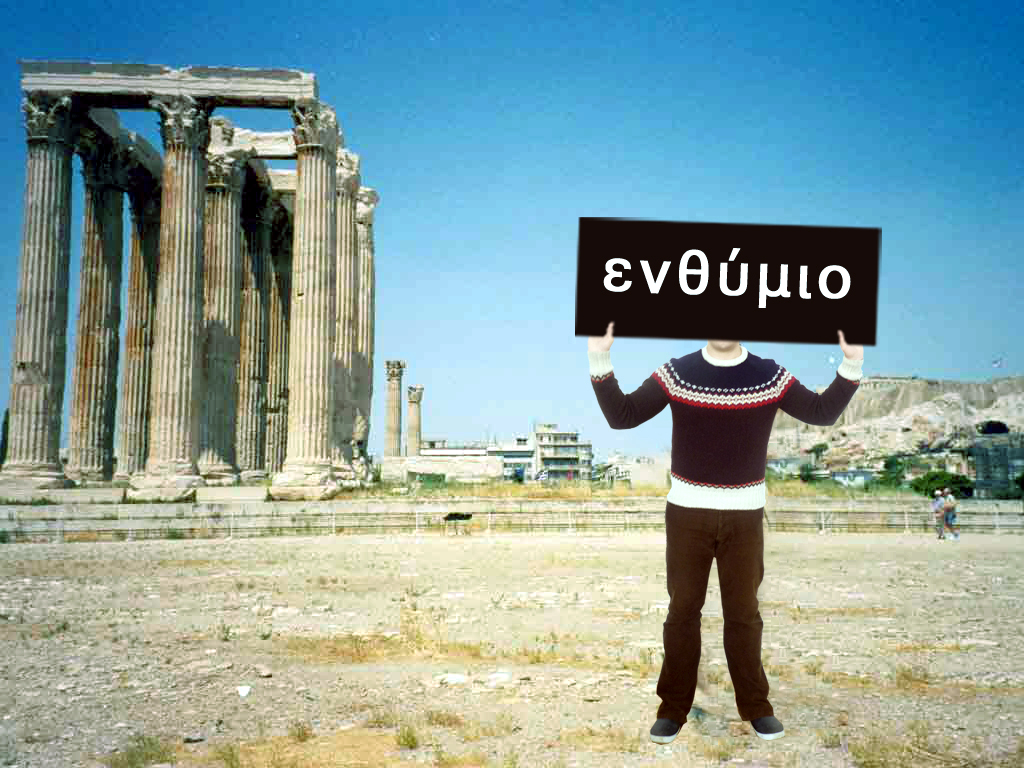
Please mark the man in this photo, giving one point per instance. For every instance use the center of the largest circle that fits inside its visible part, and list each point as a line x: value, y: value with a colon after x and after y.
x: 938, y: 510
x: 950, y: 518
x: 724, y: 401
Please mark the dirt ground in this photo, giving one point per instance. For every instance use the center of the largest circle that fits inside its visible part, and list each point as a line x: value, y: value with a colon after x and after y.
x: 500, y: 650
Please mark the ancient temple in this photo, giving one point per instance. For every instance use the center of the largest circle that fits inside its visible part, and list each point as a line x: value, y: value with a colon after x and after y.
x: 249, y: 320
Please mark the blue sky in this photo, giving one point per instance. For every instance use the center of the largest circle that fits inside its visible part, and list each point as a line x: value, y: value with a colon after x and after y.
x: 489, y: 130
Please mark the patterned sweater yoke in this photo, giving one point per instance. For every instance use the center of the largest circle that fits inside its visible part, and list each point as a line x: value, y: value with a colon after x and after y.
x: 722, y: 417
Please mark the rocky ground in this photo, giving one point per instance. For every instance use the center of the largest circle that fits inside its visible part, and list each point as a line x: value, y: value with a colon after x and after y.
x: 509, y: 650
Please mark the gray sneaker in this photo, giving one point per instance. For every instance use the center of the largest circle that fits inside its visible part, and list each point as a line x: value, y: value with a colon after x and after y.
x: 768, y: 727
x: 664, y: 730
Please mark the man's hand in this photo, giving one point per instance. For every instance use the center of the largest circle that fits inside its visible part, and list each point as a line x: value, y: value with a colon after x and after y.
x: 601, y: 343
x: 854, y: 352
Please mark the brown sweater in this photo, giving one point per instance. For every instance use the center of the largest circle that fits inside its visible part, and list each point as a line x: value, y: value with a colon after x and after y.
x: 722, y: 417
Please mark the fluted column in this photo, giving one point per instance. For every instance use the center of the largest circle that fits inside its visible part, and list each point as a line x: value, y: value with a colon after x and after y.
x: 133, y: 430
x: 394, y: 373
x: 97, y: 341
x: 313, y: 306
x: 412, y: 440
x: 41, y: 316
x: 252, y: 369
x: 366, y: 202
x: 348, y: 187
x: 279, y: 301
x: 176, y: 384
x: 222, y: 280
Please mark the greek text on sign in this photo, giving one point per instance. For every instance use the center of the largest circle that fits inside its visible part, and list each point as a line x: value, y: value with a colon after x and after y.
x: 627, y: 272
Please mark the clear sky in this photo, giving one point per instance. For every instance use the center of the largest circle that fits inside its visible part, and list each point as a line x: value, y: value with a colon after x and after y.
x: 489, y: 132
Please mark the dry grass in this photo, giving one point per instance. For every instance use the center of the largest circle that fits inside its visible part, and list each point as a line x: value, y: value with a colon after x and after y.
x: 143, y: 751
x: 353, y: 748
x: 917, y: 747
x: 813, y: 613
x: 606, y: 739
x: 784, y: 488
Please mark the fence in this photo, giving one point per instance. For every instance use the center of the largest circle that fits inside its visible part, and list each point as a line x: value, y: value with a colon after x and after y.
x: 91, y: 522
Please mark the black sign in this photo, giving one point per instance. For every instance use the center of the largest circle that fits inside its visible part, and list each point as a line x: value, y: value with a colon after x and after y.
x: 736, y: 282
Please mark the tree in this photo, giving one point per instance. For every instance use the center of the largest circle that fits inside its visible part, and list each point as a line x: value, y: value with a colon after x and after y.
x: 817, y: 450
x: 938, y: 480
x: 893, y: 472
x: 1020, y: 484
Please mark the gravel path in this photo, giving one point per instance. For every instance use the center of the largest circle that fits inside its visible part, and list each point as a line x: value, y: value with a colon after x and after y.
x: 526, y: 649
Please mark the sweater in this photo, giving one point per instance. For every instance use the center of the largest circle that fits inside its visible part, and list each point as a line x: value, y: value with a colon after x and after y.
x: 722, y: 417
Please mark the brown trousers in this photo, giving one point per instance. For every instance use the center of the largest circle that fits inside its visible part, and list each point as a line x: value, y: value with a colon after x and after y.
x: 735, y: 539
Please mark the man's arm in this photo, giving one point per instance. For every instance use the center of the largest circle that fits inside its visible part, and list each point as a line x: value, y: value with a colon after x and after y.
x: 825, y: 409
x: 624, y: 411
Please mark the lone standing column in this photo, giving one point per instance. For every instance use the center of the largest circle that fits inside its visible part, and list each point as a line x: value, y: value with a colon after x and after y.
x: 394, y: 372
x: 41, y: 318
x: 133, y: 441
x: 412, y: 440
x: 222, y: 279
x: 97, y: 342
x: 348, y: 243
x: 313, y: 305
x: 366, y: 203
x: 175, y: 388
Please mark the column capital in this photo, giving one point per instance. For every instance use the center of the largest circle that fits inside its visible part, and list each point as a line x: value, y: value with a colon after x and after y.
x: 366, y: 203
x: 100, y: 166
x: 348, y: 172
x: 47, y: 117
x: 316, y: 125
x: 416, y: 394
x: 184, y: 121
x: 394, y: 369
x: 222, y: 130
x: 226, y: 170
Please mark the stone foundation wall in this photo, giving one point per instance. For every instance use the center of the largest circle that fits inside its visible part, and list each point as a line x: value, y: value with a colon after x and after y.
x: 456, y: 469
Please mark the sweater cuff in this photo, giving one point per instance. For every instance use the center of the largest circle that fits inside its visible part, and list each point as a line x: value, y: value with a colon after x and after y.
x: 851, y: 369
x: 600, y: 363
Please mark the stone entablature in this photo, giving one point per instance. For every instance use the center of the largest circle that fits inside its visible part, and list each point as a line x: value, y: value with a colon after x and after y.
x: 131, y: 86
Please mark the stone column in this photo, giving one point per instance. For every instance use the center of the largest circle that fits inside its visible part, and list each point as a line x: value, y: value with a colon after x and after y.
x: 252, y: 371
x: 313, y: 305
x: 412, y: 440
x: 175, y: 387
x: 341, y: 443
x: 97, y: 341
x: 394, y: 373
x: 133, y: 439
x: 366, y: 202
x: 279, y: 301
x: 41, y: 317
x: 222, y: 279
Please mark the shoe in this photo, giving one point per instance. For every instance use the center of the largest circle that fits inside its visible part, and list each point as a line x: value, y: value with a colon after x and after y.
x: 768, y: 727
x: 664, y: 730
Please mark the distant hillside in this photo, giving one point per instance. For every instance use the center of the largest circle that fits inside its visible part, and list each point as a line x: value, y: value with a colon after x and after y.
x: 893, y: 415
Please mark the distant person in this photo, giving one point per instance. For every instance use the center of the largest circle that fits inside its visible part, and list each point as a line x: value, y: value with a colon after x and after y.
x: 949, y: 507
x: 724, y: 401
x: 939, y: 513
